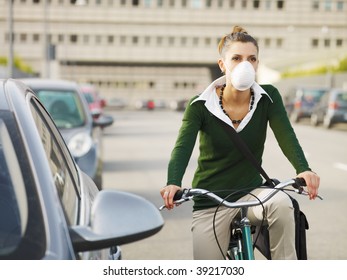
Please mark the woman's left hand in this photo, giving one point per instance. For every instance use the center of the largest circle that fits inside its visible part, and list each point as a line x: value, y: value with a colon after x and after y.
x: 312, y: 181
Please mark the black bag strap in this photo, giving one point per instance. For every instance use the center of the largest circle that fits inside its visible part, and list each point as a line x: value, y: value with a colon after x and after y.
x: 240, y: 144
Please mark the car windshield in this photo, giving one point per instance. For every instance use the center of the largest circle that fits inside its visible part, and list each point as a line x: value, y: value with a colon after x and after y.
x: 313, y: 95
x: 65, y: 107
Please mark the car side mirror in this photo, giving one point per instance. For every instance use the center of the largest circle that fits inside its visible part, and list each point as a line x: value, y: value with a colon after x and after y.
x: 117, y: 218
x: 103, y: 121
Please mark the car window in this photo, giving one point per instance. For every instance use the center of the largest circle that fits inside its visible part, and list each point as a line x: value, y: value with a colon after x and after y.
x: 89, y: 97
x: 64, y: 106
x: 64, y: 174
x: 313, y: 95
x: 13, y: 200
x: 22, y: 234
x: 341, y: 98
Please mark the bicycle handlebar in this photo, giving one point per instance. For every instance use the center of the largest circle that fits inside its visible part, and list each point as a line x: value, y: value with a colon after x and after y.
x: 188, y: 194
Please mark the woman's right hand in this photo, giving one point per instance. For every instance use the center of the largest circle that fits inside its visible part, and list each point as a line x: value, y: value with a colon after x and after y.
x: 168, y: 193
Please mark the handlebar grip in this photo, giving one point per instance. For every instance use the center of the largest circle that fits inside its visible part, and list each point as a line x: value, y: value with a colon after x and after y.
x: 178, y: 195
x: 299, y: 182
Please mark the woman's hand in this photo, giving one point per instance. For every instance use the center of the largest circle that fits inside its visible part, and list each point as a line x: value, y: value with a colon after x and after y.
x: 168, y: 194
x: 312, y: 181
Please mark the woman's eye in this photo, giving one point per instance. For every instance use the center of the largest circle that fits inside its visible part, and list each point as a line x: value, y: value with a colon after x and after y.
x: 253, y: 59
x: 235, y: 58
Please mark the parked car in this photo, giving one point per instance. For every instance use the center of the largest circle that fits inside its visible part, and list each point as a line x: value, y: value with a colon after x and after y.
x: 331, y: 109
x: 96, y: 104
x: 70, y: 112
x: 49, y: 208
x: 301, y: 100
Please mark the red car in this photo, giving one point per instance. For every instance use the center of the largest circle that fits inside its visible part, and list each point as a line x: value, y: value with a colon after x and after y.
x: 95, y: 102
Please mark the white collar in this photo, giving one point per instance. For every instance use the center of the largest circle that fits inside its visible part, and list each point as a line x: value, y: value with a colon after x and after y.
x: 212, y: 102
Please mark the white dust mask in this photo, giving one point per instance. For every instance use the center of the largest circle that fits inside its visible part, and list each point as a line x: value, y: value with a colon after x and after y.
x: 243, y: 76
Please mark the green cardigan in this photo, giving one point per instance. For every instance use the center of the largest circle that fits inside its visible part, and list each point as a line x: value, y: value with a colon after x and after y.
x: 222, y: 168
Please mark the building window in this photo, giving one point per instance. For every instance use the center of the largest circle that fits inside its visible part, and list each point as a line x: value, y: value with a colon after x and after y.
x: 208, y: 3
x: 110, y: 39
x: 184, y: 3
x: 279, y: 42
x: 231, y: 3
x: 148, y: 3
x: 60, y: 38
x: 147, y: 40
x: 197, y: 4
x: 85, y: 39
x: 338, y: 42
x: 23, y: 37
x: 280, y: 5
x: 73, y: 38
x: 123, y: 40
x: 220, y: 3
x: 327, y: 5
x: 36, y: 37
x: 339, y: 6
x: 315, y: 5
x: 208, y: 41
x: 98, y: 39
x: 159, y: 40
x: 184, y: 41
x: 135, y: 40
x: 244, y: 4
x: 315, y: 43
x: 256, y: 4
x: 171, y: 40
x: 268, y: 5
x: 135, y: 2
x: 327, y: 43
x: 160, y: 3
x: 267, y: 42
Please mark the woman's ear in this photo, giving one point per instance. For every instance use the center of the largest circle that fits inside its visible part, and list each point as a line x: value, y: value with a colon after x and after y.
x: 221, y: 65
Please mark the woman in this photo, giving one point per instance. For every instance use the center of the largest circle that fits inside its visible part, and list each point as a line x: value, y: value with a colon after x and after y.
x: 247, y: 107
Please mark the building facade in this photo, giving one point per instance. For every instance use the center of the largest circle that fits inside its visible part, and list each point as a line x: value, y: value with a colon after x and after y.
x: 166, y: 49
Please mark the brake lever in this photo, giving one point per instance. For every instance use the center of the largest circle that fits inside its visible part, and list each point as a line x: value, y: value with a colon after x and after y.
x: 303, y: 192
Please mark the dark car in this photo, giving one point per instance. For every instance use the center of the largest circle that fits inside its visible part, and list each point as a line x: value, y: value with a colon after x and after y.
x: 71, y: 114
x: 300, y: 101
x: 49, y: 208
x: 331, y: 109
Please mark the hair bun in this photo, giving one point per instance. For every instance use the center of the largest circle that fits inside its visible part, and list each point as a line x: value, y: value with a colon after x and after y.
x: 238, y: 29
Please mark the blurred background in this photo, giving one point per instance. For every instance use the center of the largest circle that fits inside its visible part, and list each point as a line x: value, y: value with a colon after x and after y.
x: 165, y: 50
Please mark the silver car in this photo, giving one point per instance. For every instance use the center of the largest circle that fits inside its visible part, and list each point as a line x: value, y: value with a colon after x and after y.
x: 49, y: 208
x: 71, y: 114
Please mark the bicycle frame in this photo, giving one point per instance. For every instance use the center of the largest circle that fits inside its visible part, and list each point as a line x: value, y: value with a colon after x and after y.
x: 243, y: 248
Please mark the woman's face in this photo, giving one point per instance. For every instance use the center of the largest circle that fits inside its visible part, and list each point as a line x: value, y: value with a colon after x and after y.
x: 238, y: 52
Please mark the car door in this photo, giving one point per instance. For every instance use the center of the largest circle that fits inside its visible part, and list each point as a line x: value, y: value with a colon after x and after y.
x: 75, y: 189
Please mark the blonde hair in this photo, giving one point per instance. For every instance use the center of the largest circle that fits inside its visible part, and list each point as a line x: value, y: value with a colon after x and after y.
x: 238, y: 34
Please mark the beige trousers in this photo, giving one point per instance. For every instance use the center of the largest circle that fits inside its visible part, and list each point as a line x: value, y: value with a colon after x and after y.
x: 279, y: 216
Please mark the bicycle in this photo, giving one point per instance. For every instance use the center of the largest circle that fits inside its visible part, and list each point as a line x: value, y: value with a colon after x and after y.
x: 241, y: 246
